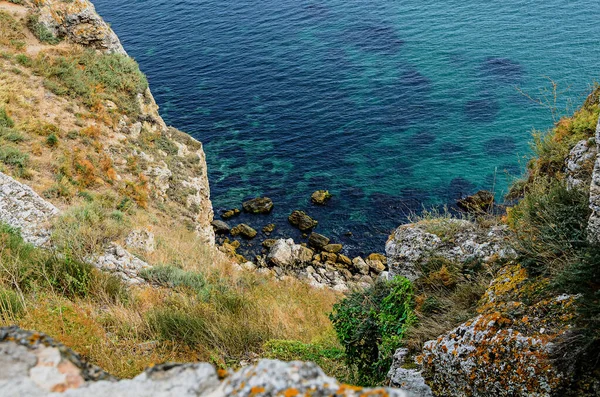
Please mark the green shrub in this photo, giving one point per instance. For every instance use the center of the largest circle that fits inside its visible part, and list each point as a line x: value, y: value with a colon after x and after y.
x: 11, y: 305
x: 15, y: 159
x: 40, y: 31
x: 174, y: 277
x: 370, y: 325
x: 330, y: 358
x: 52, y: 140
x: 5, y: 120
x: 94, y: 77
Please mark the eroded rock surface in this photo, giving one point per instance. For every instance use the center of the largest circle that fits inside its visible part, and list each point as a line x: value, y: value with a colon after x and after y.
x: 22, y: 208
x: 507, y: 349
x: 454, y: 239
x: 32, y: 365
x: 594, y: 221
x: 410, y: 380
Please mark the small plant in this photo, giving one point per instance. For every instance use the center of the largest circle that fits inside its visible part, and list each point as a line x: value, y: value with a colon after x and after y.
x: 370, y: 325
x: 52, y: 140
x: 5, y: 120
x: 15, y: 159
x: 40, y: 31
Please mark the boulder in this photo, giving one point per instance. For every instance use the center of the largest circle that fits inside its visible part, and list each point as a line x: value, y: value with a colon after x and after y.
x: 260, y: 205
x: 301, y: 254
x: 302, y: 220
x: 280, y: 253
x: 317, y: 240
x: 243, y: 230
x: 343, y: 259
x: 34, y: 365
x: 375, y: 266
x: 333, y: 248
x: 482, y: 201
x: 230, y: 213
x: 329, y: 257
x: 508, y: 349
x: 360, y: 265
x: 268, y: 243
x: 220, y: 227
x: 377, y: 257
x: 320, y: 197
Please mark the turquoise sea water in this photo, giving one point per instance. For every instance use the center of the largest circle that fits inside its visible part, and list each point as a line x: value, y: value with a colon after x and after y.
x: 391, y: 105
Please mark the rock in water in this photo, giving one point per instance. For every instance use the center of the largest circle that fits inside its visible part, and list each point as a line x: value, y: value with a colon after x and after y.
x: 243, y: 230
x: 482, y: 201
x: 302, y: 220
x: 220, y: 227
x: 230, y: 213
x: 317, y: 240
x: 320, y: 197
x: 268, y: 229
x: 260, y: 205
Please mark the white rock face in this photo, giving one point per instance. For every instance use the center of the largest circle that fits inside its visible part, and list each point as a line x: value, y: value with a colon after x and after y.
x: 594, y: 222
x: 32, y: 365
x: 22, y: 208
x: 119, y: 261
x: 583, y: 153
x: 458, y: 240
x: 142, y: 240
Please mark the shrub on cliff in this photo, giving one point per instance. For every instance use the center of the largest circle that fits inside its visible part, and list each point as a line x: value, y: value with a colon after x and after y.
x: 370, y: 325
x: 93, y: 78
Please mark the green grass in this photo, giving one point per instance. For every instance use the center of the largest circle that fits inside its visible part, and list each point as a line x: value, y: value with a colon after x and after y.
x: 15, y: 159
x: 40, y: 31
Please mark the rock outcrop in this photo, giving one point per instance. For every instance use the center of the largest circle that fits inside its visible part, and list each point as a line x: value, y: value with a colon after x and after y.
x: 32, y: 365
x: 22, y: 208
x: 579, y: 163
x: 78, y: 22
x: 454, y: 239
x: 507, y: 349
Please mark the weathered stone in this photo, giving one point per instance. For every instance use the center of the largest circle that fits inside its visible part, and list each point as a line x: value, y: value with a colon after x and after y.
x: 320, y: 197
x: 268, y: 229
x: 343, y: 259
x: 360, y: 265
x: 230, y: 213
x: 454, y: 239
x: 243, y: 230
x: 260, y: 205
x: 507, y: 348
x: 377, y: 257
x: 329, y: 256
x: 482, y: 201
x: 141, y: 239
x: 333, y: 248
x: 593, y: 230
x: 220, y: 227
x: 579, y: 164
x: 410, y: 380
x: 24, y: 209
x: 302, y: 220
x: 375, y: 266
x: 120, y: 262
x: 268, y: 243
x: 301, y: 254
x: 280, y: 253
x: 317, y: 240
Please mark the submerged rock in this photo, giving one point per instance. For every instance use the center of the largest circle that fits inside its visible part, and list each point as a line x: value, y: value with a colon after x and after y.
x: 302, y: 220
x: 268, y: 229
x: 243, y: 230
x: 230, y: 213
x: 320, y: 197
x: 482, y: 201
x: 260, y: 205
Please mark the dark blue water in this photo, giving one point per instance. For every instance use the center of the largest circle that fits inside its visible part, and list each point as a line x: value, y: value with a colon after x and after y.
x: 389, y: 104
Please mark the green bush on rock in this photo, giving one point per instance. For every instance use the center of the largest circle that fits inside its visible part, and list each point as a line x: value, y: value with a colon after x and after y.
x: 370, y: 325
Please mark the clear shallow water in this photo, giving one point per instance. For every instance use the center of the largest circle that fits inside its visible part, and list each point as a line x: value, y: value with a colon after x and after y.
x: 390, y: 105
